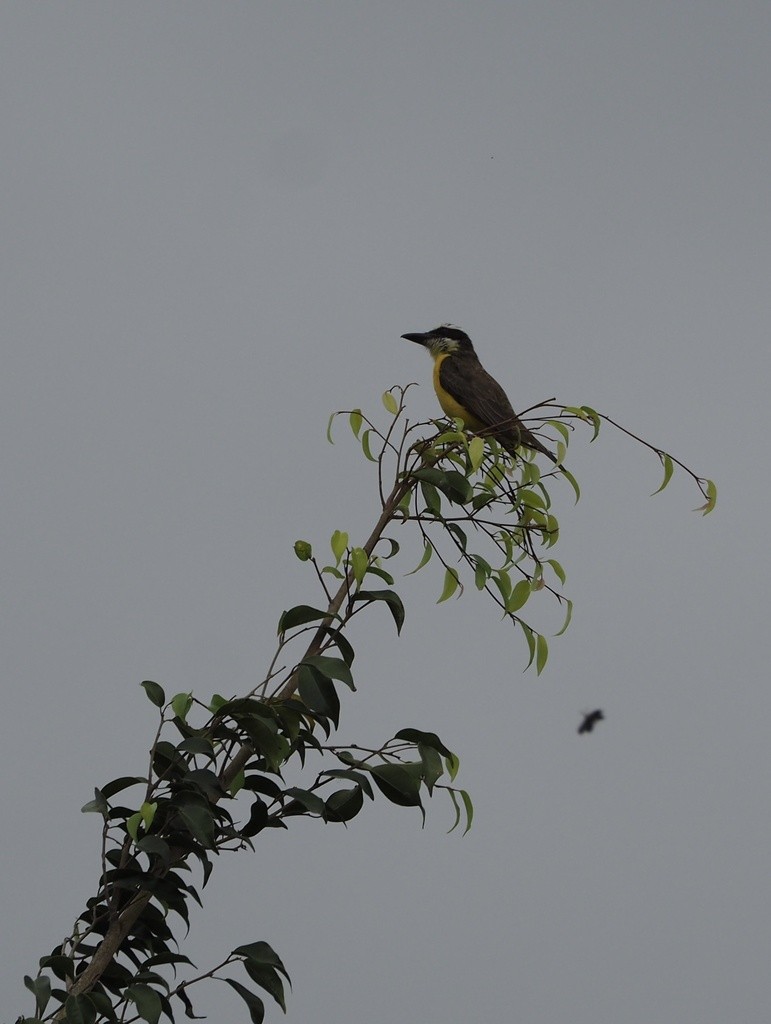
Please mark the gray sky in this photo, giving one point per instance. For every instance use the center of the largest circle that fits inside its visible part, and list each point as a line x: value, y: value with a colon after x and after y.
x: 217, y: 221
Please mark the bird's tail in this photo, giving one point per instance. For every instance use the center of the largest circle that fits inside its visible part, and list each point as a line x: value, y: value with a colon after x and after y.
x: 531, y: 441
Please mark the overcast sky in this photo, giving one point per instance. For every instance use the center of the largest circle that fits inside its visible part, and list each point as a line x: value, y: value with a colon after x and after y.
x: 217, y: 221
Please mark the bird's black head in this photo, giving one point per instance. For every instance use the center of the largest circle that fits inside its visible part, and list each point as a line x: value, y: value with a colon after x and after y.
x: 445, y: 338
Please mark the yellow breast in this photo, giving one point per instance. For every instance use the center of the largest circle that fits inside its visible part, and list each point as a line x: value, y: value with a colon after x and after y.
x: 450, y: 406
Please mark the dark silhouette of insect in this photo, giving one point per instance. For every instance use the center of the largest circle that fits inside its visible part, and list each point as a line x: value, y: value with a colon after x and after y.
x: 590, y: 719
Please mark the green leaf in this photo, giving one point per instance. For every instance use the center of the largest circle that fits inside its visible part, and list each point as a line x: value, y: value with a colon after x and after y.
x: 482, y: 571
x: 456, y: 487
x: 375, y: 570
x: 258, y: 819
x: 254, y: 1004
x: 166, y: 756
x: 519, y: 596
x: 590, y: 414
x: 449, y: 437
x: 542, y: 653
x: 530, y: 638
x: 433, y: 766
x: 669, y: 468
x: 502, y: 581
x: 342, y: 645
x: 534, y: 517
x: 157, y: 847
x: 237, y: 783
x: 530, y: 498
x: 267, y: 978
x: 262, y: 733
x: 344, y: 804
x: 118, y: 785
x: 216, y: 702
x: 352, y: 775
x: 199, y: 822
x: 506, y: 540
x: 147, y: 1002
x: 338, y: 543
x: 63, y: 967
x: 458, y: 534
x: 329, y: 427
x: 426, y: 739
x: 147, y: 810
x: 468, y: 805
x: 261, y: 953
x: 431, y: 498
x: 390, y: 403
x: 390, y: 597
x: 359, y: 562
x: 711, y: 501
x: 365, y: 446
x: 299, y: 616
x: 572, y: 481
x: 98, y: 805
x: 312, y: 803
x: 453, y: 765
x: 332, y: 668
x: 182, y: 995
x: 318, y: 693
x: 561, y: 428
x: 476, y: 452
x: 355, y: 419
x: 450, y: 482
x: 530, y: 472
x: 552, y: 530
x: 181, y: 704
x: 303, y: 550
x: 429, y: 475
x: 155, y: 693
x: 132, y: 825
x: 397, y: 784
x: 79, y: 1010
x: 451, y: 584
x: 393, y: 547
x: 568, y: 617
x: 559, y: 572
x: 40, y: 987
x: 482, y: 499
x: 197, y: 745
x: 427, y: 553
x: 168, y: 958
x: 457, y: 811
x: 544, y: 494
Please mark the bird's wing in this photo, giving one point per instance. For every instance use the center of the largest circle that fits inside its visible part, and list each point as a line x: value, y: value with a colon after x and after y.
x: 478, y: 392
x: 488, y: 403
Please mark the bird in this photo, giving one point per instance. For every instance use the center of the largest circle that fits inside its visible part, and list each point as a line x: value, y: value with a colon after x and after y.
x: 590, y: 719
x: 466, y: 391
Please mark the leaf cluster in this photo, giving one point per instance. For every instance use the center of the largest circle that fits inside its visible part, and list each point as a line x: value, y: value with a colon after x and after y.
x: 222, y: 772
x: 197, y: 802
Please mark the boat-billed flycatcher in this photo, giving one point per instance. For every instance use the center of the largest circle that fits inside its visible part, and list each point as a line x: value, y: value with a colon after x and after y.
x: 466, y: 390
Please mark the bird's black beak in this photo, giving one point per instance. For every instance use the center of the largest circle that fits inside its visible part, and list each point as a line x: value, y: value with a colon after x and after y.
x: 419, y: 338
